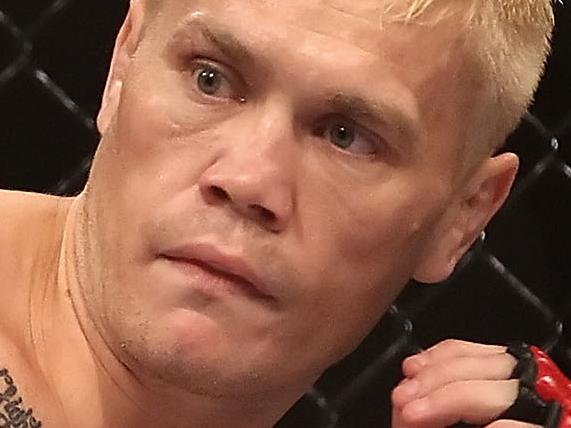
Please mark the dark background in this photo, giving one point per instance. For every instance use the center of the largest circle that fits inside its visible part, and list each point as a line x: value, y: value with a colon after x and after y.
x: 514, y: 284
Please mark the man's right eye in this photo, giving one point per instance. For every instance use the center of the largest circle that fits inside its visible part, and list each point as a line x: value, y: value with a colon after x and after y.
x: 211, y: 81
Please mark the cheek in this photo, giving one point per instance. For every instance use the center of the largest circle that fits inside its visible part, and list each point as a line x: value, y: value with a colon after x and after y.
x: 364, y: 228
x: 367, y: 242
x: 159, y: 124
x: 151, y: 151
x: 365, y: 245
x: 153, y: 127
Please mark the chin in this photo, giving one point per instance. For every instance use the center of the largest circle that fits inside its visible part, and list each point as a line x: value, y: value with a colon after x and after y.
x: 188, y: 351
x: 207, y: 375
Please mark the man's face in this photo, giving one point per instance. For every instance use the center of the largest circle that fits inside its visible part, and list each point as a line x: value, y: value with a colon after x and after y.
x: 296, y: 144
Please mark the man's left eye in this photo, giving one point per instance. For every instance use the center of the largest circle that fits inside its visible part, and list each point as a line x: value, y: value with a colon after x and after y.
x: 350, y: 137
x: 211, y: 81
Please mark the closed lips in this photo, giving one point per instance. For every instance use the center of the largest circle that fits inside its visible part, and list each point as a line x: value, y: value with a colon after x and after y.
x: 218, y: 263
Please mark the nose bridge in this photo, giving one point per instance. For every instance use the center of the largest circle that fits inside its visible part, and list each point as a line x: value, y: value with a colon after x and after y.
x: 273, y: 131
x: 265, y: 147
x: 255, y: 171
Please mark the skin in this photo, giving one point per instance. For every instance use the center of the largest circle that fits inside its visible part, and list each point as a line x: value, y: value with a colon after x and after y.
x: 252, y: 169
x: 456, y: 378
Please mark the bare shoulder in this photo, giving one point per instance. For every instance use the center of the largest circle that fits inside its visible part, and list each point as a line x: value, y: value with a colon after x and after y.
x: 31, y: 228
x: 22, y: 213
x: 27, y: 202
x: 28, y: 222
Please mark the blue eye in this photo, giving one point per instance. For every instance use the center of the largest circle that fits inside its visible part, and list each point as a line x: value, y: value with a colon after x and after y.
x: 348, y: 136
x: 342, y: 135
x: 209, y: 80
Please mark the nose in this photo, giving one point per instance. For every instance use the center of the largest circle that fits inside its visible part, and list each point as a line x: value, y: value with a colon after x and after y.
x: 254, y: 180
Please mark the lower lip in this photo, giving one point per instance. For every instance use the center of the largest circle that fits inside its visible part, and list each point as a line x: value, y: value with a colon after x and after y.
x: 212, y: 281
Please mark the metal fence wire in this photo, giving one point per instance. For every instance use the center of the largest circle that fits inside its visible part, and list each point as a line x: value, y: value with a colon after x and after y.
x: 515, y: 284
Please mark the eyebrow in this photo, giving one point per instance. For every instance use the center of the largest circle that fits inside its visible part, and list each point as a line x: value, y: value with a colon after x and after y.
x: 226, y: 43
x: 383, y: 114
x: 376, y: 112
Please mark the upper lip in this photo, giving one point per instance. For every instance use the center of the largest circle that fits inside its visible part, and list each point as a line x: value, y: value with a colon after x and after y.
x: 223, y: 263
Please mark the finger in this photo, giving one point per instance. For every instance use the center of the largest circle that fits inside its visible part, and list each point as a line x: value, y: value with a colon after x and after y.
x: 474, y: 402
x: 396, y: 419
x: 447, y: 350
x: 511, y: 424
x: 402, y: 394
x: 487, y: 367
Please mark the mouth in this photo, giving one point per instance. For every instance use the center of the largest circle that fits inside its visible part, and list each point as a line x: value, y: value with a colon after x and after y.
x: 223, y: 270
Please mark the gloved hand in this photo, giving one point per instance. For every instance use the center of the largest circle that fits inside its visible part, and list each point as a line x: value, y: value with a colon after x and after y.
x: 544, y: 395
x: 484, y: 385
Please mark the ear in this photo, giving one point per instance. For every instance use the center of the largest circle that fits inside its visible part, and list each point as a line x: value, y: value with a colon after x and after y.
x: 481, y: 198
x: 125, y: 48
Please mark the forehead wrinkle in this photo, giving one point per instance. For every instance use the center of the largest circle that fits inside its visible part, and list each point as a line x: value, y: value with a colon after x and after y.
x: 366, y: 11
x: 335, y: 22
x: 366, y: 45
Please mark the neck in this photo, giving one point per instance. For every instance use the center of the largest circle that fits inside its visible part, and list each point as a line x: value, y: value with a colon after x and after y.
x: 88, y: 379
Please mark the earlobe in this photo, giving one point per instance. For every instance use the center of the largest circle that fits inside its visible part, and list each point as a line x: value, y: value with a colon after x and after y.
x: 481, y: 198
x: 125, y: 47
x: 441, y: 257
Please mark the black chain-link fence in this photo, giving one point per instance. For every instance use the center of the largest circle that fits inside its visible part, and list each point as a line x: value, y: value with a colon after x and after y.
x: 514, y: 284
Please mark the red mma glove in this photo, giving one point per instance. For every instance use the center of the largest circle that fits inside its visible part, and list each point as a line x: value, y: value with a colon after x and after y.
x: 544, y: 391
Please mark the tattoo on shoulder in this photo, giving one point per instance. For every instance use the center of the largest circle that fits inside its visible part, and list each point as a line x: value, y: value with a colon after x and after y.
x: 13, y: 413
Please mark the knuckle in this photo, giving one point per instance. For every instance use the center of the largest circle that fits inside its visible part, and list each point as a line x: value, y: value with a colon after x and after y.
x: 451, y: 345
x: 408, y: 364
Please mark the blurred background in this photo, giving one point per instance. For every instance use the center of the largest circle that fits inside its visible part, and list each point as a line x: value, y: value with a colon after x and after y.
x: 515, y: 284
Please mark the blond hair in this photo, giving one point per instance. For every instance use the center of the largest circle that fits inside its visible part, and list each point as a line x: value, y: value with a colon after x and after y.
x: 507, y: 40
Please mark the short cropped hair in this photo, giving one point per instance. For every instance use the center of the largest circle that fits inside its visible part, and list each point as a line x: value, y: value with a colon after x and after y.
x: 507, y: 42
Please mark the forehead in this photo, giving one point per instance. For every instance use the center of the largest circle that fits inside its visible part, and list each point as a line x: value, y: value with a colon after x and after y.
x: 344, y: 44
x: 356, y: 22
x: 348, y: 29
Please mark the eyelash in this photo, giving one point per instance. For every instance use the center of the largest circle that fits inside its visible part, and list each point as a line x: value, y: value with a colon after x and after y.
x: 201, y: 63
x: 362, y: 132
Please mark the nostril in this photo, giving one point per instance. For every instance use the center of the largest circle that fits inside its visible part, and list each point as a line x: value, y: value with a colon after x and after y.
x: 219, y: 193
x: 264, y: 214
